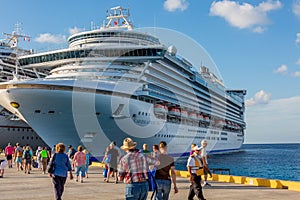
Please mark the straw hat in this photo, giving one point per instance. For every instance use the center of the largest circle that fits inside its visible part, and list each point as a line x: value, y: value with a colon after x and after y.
x: 128, y: 143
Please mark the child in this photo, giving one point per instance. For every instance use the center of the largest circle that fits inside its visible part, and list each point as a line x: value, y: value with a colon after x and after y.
x: 2, y: 167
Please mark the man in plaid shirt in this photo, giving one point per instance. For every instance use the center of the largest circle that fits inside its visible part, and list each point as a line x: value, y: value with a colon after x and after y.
x: 133, y: 171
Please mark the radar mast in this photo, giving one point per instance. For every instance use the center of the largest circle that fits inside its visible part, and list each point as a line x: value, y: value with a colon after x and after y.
x: 117, y: 18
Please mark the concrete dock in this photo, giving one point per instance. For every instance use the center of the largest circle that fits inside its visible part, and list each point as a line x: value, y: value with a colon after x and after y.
x: 35, y: 186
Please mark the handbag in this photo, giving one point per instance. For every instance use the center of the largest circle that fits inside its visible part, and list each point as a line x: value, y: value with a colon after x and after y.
x: 51, y: 165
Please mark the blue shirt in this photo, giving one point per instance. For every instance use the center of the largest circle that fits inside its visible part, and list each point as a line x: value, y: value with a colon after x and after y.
x: 61, y: 165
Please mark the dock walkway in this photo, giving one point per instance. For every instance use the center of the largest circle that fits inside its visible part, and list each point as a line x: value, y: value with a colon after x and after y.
x: 35, y: 186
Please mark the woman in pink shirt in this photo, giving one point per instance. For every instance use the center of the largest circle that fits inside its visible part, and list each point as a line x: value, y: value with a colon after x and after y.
x: 9, y: 151
x: 79, y: 162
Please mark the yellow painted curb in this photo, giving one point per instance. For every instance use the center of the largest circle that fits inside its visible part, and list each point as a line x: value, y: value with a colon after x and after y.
x: 260, y: 182
x: 292, y: 185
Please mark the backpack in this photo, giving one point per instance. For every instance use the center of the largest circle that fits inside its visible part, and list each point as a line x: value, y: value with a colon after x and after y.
x: 19, y: 153
x: 27, y: 155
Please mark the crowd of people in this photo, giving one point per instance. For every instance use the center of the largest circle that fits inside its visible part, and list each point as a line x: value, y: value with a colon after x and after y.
x: 25, y: 158
x: 138, y: 169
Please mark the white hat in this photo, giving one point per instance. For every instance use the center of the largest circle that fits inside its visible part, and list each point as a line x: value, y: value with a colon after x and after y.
x: 203, y: 142
x: 197, y: 148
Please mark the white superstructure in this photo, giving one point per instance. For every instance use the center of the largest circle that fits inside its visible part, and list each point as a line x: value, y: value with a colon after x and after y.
x: 116, y: 82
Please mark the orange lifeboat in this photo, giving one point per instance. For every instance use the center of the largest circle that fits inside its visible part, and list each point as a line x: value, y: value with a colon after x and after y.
x: 160, y: 109
x: 193, y: 116
x: 200, y: 117
x: 184, y: 113
x: 206, y: 118
x: 174, y: 111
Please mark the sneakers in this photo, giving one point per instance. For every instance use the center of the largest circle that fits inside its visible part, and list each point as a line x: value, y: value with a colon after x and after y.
x: 205, y: 184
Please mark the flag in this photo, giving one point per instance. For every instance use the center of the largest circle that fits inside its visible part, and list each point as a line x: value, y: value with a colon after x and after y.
x: 115, y: 23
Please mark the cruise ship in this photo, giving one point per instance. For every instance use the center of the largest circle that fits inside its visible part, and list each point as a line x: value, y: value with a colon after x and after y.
x: 116, y: 82
x: 12, y: 129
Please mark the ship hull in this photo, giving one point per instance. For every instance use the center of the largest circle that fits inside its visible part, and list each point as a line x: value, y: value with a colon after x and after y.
x: 94, y: 119
x: 14, y: 131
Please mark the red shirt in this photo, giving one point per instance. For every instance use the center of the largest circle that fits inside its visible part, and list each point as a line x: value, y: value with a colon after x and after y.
x: 9, y: 150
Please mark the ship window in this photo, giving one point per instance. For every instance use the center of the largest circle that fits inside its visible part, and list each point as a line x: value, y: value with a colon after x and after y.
x: 27, y: 138
x: 8, y: 129
x: 51, y: 112
x: 32, y: 138
x: 37, y: 111
x: 36, y: 138
x: 13, y: 129
x: 23, y: 137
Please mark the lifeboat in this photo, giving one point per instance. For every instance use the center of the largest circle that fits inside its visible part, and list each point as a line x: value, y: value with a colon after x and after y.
x: 174, y: 111
x: 160, y: 109
x: 184, y: 113
x: 193, y: 116
x: 206, y: 118
x: 220, y: 122
x: 200, y: 117
x: 229, y: 124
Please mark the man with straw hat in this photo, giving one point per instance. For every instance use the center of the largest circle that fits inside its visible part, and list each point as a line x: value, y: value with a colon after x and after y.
x: 133, y: 170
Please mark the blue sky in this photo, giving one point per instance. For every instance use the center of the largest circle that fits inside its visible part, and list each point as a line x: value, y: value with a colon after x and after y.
x: 254, y: 43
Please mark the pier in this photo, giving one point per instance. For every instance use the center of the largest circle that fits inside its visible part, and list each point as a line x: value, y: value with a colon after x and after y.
x: 36, y: 186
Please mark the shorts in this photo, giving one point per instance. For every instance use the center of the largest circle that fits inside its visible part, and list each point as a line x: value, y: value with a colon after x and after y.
x: 18, y: 159
x: 27, y: 161
x: 9, y: 157
x: 3, y: 164
x: 111, y: 169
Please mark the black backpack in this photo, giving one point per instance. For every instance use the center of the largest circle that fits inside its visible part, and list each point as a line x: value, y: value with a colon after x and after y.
x: 27, y: 155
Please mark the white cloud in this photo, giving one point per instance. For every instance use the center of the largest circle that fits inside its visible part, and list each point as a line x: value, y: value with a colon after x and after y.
x: 258, y: 29
x: 276, y: 122
x: 244, y: 15
x: 49, y: 38
x: 298, y: 62
x: 297, y: 37
x: 75, y: 30
x: 296, y: 8
x: 172, y: 5
x: 260, y: 97
x: 281, y: 70
x: 296, y: 74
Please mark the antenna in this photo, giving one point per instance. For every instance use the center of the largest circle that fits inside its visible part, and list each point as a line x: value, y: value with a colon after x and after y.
x: 13, y: 38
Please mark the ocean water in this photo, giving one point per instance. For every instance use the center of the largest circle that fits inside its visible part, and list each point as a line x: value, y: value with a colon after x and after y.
x: 271, y: 161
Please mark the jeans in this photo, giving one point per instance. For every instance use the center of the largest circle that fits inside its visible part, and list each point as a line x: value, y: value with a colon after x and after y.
x: 80, y: 170
x: 137, y: 191
x: 163, y: 189
x: 59, y: 185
